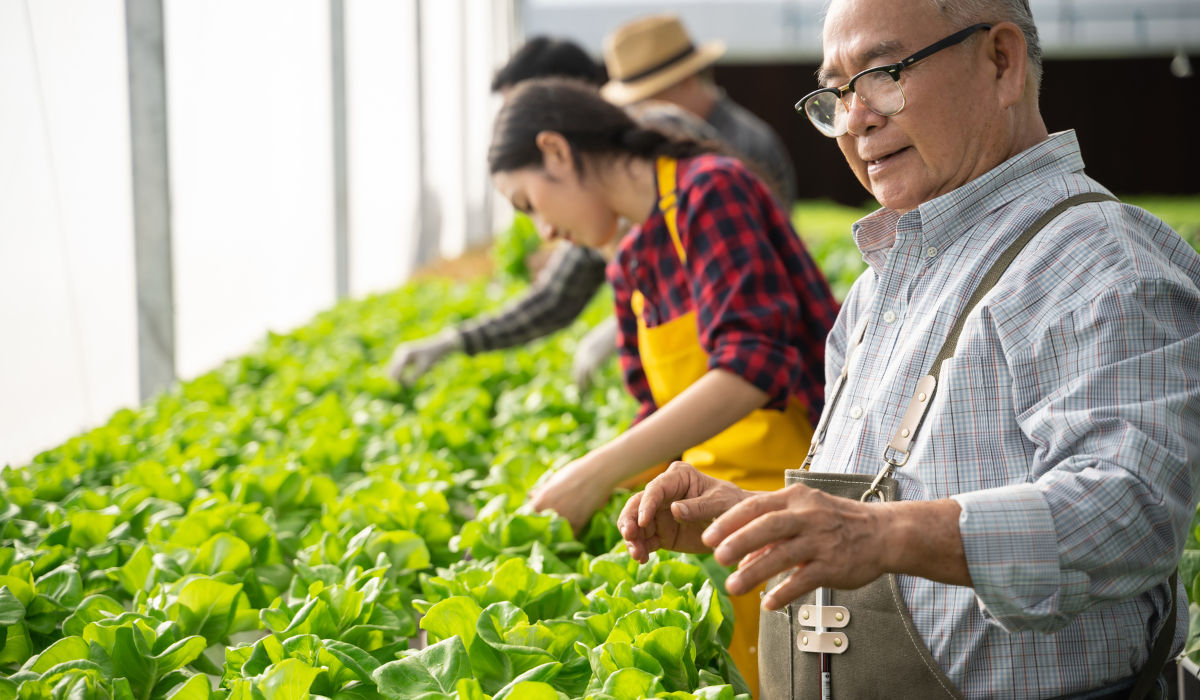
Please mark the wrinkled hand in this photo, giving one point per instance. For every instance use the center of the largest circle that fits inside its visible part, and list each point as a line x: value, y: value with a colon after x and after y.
x: 674, y: 510
x: 831, y: 542
x: 412, y: 359
x: 573, y: 492
x: 594, y: 348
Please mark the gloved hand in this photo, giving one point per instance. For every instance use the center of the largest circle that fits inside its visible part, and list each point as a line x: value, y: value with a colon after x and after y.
x: 594, y: 348
x: 412, y: 359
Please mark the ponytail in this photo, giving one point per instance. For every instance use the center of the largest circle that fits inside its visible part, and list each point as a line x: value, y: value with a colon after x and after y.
x: 649, y: 143
x: 589, y: 123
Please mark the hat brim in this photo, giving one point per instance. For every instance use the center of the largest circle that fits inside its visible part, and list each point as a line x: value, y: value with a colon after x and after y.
x: 623, y: 93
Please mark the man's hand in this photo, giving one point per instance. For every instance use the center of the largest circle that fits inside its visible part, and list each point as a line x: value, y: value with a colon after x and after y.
x: 674, y: 511
x: 417, y: 356
x: 835, y: 542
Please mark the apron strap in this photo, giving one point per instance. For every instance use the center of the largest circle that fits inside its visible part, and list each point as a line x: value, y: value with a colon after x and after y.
x: 906, y: 433
x: 668, y: 202
x: 1161, y: 652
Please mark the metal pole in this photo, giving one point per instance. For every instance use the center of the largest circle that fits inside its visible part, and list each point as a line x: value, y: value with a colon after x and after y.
x: 151, y: 195
x: 428, y: 207
x: 470, y: 220
x: 341, y: 206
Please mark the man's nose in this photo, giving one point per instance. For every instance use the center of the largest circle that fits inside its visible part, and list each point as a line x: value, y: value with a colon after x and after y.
x: 861, y: 119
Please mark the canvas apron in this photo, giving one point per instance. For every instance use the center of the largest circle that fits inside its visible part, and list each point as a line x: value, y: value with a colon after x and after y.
x: 872, y: 648
x: 752, y: 453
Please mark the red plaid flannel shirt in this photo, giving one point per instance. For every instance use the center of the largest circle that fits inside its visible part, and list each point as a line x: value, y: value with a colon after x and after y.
x: 762, y: 306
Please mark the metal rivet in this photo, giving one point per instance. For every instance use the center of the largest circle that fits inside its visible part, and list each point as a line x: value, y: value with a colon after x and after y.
x: 921, y: 396
x: 805, y: 614
x: 837, y: 641
x: 804, y: 641
x: 904, y: 432
x: 838, y: 616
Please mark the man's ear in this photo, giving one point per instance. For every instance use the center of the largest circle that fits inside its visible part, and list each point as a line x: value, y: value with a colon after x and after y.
x: 1006, y: 50
x: 556, y: 153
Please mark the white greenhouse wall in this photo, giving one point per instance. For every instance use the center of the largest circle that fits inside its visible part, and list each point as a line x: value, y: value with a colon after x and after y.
x: 250, y: 156
x: 249, y: 127
x: 384, y: 173
x: 68, y: 325
x: 442, y: 47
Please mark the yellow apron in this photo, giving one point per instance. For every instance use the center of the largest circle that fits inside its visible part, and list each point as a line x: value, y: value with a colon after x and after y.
x: 752, y: 453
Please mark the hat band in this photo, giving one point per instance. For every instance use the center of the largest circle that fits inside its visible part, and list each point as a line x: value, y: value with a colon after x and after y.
x: 691, y: 49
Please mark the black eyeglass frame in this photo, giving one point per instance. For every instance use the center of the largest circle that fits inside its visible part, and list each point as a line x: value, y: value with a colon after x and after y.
x: 894, y: 69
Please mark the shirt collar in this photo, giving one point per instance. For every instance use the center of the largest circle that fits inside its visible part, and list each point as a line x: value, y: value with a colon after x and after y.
x: 941, y: 220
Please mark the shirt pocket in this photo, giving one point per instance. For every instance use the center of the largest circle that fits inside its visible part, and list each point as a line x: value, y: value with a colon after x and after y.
x: 974, y: 434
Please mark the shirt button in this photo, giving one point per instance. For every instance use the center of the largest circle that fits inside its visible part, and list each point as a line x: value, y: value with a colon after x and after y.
x: 930, y: 252
x: 889, y: 316
x: 856, y: 412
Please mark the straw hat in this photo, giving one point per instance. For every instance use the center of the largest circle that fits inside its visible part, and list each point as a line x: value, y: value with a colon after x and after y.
x: 649, y: 55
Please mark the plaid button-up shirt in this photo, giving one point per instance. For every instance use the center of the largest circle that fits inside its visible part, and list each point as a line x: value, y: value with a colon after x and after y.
x: 762, y: 306
x: 1067, y: 424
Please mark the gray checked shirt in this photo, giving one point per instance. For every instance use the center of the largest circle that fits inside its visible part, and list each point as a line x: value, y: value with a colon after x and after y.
x: 1067, y: 424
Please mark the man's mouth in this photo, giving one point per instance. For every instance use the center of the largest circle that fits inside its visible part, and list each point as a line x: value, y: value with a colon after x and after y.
x: 885, y: 158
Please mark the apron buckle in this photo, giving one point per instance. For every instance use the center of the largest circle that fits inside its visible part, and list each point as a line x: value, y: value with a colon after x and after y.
x: 888, y: 469
x: 822, y: 642
x: 890, y: 460
x: 824, y: 616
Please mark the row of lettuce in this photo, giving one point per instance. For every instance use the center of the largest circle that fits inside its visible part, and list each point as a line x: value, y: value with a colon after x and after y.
x: 295, y: 524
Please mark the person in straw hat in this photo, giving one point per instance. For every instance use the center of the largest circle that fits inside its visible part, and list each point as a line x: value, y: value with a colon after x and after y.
x: 653, y: 58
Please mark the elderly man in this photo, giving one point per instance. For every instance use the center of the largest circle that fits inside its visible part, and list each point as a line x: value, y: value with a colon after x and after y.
x: 1016, y: 377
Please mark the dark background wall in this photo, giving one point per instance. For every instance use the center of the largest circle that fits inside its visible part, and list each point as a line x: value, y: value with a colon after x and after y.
x: 1138, y: 125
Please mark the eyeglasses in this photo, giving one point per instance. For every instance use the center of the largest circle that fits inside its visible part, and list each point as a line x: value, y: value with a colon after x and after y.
x: 878, y: 88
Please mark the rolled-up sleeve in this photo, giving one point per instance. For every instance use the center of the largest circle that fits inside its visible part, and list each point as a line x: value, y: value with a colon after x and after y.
x: 572, y: 277
x: 1111, y: 397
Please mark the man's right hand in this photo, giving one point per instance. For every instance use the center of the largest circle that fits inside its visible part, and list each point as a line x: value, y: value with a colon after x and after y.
x: 674, y: 510
x: 412, y: 359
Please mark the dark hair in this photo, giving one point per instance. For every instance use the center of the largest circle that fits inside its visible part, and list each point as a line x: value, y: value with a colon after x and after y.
x: 542, y: 57
x: 592, y: 125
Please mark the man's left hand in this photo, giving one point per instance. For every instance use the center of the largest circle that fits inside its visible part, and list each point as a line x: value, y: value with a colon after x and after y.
x: 834, y: 542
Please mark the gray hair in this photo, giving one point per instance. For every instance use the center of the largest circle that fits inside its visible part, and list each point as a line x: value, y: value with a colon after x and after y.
x: 967, y: 12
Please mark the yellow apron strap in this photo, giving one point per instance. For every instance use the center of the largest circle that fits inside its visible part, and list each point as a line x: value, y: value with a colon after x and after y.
x: 638, y: 304
x: 668, y: 202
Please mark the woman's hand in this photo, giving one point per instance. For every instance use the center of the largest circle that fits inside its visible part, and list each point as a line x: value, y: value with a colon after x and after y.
x: 575, y: 491
x: 674, y: 511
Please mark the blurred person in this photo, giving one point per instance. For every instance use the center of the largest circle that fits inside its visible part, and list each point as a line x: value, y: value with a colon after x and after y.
x: 653, y: 58
x: 721, y: 311
x: 572, y: 274
x: 562, y: 289
x: 542, y: 57
x: 1005, y: 474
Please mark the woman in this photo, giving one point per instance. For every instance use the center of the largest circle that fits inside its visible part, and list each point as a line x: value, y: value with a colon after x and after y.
x: 722, y: 314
